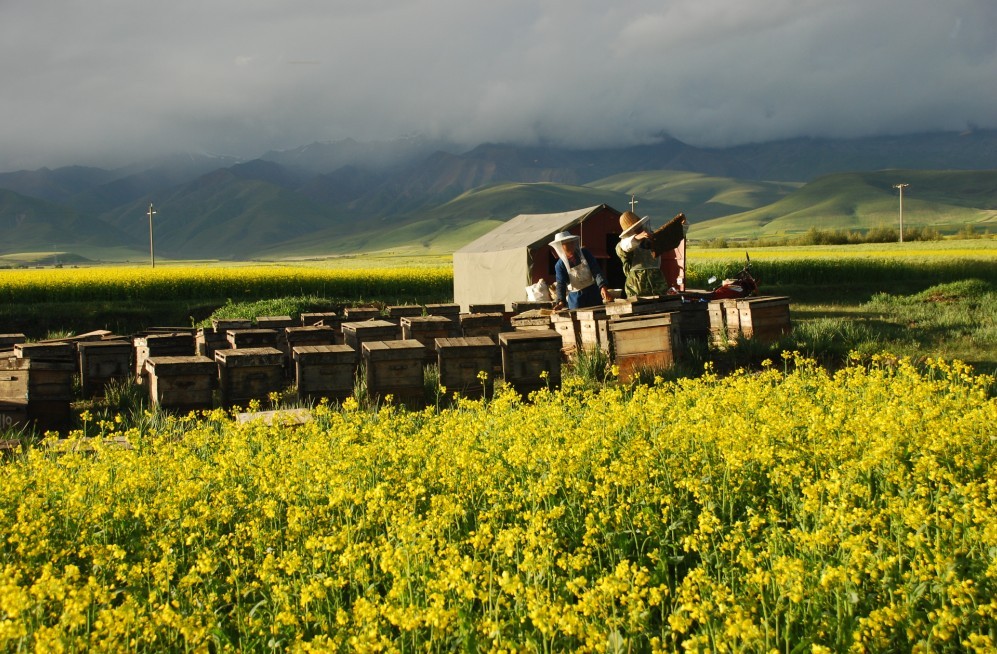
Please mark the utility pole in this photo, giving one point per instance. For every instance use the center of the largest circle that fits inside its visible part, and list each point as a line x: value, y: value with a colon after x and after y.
x: 901, y: 187
x: 152, y: 249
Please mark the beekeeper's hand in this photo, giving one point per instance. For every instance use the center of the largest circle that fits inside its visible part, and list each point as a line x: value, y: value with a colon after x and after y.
x: 606, y: 297
x: 558, y: 305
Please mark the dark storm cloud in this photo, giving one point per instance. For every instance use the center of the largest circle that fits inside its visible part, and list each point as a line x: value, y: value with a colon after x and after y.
x: 116, y: 80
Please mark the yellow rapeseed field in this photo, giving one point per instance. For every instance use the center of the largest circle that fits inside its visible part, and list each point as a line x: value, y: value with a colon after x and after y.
x: 786, y: 510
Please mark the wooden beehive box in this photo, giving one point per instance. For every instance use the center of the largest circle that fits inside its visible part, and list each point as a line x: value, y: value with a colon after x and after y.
x: 8, y: 341
x: 395, y: 368
x: 449, y: 311
x: 324, y: 371
x: 247, y: 374
x: 426, y: 329
x: 482, y: 324
x: 467, y: 364
x: 355, y: 334
x: 278, y: 323
x: 694, y: 322
x: 101, y: 362
x: 313, y: 335
x: 725, y: 322
x: 356, y: 314
x: 533, y: 320
x: 207, y: 340
x: 47, y: 351
x: 643, y: 305
x: 329, y: 318
x: 526, y: 355
x: 44, y: 386
x: 593, y: 329
x: 225, y: 324
x: 646, y: 342
x: 13, y: 413
x: 161, y: 345
x: 181, y: 383
x: 764, y: 318
x: 486, y: 308
x: 251, y: 338
x: 565, y: 323
x: 398, y: 311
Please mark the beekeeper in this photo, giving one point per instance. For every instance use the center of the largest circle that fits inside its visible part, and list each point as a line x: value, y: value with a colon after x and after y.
x: 580, y: 282
x: 641, y: 265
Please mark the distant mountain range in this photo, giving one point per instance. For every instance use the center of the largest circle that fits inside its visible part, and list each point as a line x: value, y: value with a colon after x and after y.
x: 416, y: 195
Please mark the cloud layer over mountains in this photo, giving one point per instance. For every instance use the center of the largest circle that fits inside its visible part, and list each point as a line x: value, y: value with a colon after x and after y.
x: 105, y: 82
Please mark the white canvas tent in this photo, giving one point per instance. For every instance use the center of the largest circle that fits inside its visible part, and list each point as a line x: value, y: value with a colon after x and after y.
x: 496, y: 268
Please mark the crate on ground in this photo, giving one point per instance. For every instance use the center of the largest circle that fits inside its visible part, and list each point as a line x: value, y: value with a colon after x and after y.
x: 565, y: 323
x: 426, y: 329
x: 251, y: 338
x: 44, y: 386
x: 482, y: 324
x: 355, y: 334
x: 48, y: 351
x: 276, y: 322
x: 181, y: 383
x: 160, y: 345
x: 13, y: 413
x: 645, y: 342
x: 354, y: 314
x: 101, y: 362
x: 248, y: 374
x: 593, y: 329
x: 324, y: 371
x: 725, y: 322
x: 764, y: 318
x: 467, y: 364
x: 532, y: 320
x: 693, y: 320
x: 209, y: 339
x: 314, y: 335
x: 395, y: 368
x: 531, y: 360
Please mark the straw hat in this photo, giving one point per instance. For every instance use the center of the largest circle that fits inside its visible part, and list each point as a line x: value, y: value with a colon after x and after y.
x: 562, y: 237
x: 631, y: 224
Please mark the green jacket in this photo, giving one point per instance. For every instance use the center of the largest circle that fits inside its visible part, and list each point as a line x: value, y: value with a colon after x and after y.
x: 643, y: 271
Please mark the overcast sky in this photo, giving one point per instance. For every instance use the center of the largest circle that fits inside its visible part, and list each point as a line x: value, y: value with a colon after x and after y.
x: 103, y: 82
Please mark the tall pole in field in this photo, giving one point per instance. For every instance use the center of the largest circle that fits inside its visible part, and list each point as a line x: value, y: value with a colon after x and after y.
x: 901, y: 187
x: 152, y: 249
x: 633, y: 202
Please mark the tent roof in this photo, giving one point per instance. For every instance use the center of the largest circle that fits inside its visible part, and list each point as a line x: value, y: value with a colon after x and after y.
x: 527, y: 230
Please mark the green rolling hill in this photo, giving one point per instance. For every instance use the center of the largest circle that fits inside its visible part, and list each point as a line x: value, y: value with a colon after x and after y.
x: 945, y: 200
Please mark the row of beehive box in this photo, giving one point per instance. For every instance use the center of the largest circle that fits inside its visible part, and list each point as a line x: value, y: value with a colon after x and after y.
x: 649, y: 332
x: 36, y: 380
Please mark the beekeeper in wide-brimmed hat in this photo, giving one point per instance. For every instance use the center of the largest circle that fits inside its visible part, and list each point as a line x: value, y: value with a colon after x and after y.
x: 580, y: 282
x: 641, y: 265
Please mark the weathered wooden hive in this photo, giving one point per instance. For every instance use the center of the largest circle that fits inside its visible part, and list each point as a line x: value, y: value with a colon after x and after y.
x: 181, y: 383
x: 251, y: 338
x: 531, y: 359
x: 160, y: 345
x: 395, y: 368
x: 101, y: 362
x: 467, y: 365
x: 355, y: 334
x: 426, y: 329
x: 248, y: 374
x: 324, y: 371
x: 644, y: 342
